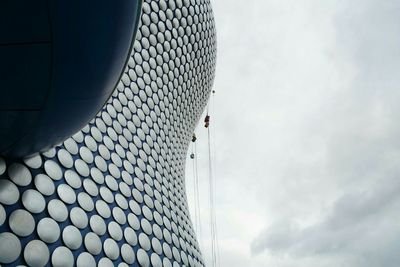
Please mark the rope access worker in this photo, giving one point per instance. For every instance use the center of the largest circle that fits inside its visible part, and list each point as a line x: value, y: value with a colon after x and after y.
x: 207, y: 121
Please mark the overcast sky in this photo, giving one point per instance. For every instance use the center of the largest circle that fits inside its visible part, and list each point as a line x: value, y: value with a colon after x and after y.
x: 307, y: 134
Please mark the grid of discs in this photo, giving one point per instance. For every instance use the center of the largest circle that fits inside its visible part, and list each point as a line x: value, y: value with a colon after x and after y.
x: 114, y: 193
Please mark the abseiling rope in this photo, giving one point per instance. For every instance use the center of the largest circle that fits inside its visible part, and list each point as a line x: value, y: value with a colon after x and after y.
x: 194, y: 191
x: 212, y: 187
x: 198, y: 197
x: 197, y: 212
x: 211, y: 201
x: 213, y: 148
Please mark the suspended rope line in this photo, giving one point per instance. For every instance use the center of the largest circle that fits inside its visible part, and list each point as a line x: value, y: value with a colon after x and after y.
x: 212, y: 141
x: 211, y: 201
x: 212, y: 186
x: 196, y: 192
x: 194, y: 189
x: 197, y: 196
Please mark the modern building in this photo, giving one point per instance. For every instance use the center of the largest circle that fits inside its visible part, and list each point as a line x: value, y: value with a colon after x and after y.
x: 113, y: 194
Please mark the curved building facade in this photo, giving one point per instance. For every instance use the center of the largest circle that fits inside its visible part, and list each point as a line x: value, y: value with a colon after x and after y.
x: 113, y: 194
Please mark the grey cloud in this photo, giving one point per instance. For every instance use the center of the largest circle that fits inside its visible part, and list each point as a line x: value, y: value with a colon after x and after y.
x: 359, y: 131
x: 357, y: 221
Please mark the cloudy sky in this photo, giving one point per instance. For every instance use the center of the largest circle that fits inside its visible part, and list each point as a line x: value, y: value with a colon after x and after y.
x: 306, y: 129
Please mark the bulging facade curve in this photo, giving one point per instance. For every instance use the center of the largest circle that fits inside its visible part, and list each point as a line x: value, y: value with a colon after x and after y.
x: 113, y: 194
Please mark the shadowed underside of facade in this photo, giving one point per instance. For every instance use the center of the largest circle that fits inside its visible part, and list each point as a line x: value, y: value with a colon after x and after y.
x: 113, y: 194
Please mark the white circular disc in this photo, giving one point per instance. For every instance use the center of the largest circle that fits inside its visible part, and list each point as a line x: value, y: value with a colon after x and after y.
x: 130, y: 236
x: 48, y: 230
x: 127, y: 254
x: 33, y: 201
x: 98, y: 225
x: 62, y: 257
x: 21, y: 222
x: 155, y: 260
x: 105, y: 262
x: 115, y: 231
x: 66, y: 193
x: 19, y: 174
x: 93, y: 243
x: 36, y: 253
x: 34, y: 161
x: 143, y: 258
x: 85, y: 260
x: 73, y: 179
x: 85, y: 201
x: 44, y: 184
x: 9, y: 193
x: 72, y: 237
x: 78, y: 217
x: 53, y: 170
x: 10, y: 247
x: 144, y: 241
x: 65, y: 158
x: 57, y: 210
x: 111, y: 249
